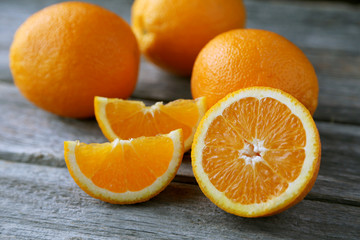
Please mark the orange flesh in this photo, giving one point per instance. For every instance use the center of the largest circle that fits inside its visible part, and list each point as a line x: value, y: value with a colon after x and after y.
x: 144, y: 121
x: 129, y: 166
x: 254, y: 150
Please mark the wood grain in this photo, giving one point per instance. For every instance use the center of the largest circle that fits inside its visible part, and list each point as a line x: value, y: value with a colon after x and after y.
x: 40, y: 202
x: 309, y: 24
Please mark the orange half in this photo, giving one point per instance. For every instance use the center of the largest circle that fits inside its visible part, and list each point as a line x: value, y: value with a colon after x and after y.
x: 256, y: 152
x: 125, y: 171
x: 127, y: 119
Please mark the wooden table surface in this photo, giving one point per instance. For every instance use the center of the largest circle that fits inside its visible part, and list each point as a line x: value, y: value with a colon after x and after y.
x: 39, y: 199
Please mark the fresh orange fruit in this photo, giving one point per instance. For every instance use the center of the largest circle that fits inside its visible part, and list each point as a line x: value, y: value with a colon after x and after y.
x: 247, y: 57
x: 125, y: 171
x: 126, y: 119
x: 256, y: 152
x: 172, y: 33
x: 64, y: 55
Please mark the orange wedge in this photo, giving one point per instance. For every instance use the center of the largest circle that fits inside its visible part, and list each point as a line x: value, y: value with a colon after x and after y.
x: 256, y: 152
x: 125, y: 171
x: 127, y: 119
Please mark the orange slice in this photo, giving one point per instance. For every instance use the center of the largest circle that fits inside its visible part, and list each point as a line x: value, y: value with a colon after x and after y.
x: 127, y: 119
x: 125, y: 171
x: 256, y: 152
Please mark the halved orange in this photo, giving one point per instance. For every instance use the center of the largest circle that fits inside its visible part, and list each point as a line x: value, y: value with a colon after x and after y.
x: 127, y: 119
x: 256, y: 152
x: 125, y: 171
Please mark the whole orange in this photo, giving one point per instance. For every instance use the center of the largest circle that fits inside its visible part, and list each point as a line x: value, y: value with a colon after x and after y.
x: 172, y: 33
x: 64, y: 55
x: 248, y: 57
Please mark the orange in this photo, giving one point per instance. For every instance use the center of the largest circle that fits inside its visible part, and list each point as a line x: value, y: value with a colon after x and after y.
x: 172, y: 33
x: 123, y: 119
x: 64, y: 55
x: 245, y: 58
x: 125, y: 172
x: 256, y: 152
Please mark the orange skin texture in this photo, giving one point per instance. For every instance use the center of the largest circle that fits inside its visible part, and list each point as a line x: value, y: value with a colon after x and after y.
x: 68, y: 53
x: 172, y: 33
x: 248, y: 57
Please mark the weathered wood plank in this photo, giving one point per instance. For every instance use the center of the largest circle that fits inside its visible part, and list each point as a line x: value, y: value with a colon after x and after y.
x: 156, y: 84
x: 28, y: 134
x: 339, y: 100
x: 313, y: 24
x: 40, y: 202
x: 33, y: 135
x: 339, y: 84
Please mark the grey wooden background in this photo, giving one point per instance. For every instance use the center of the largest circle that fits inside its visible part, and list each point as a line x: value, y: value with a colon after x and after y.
x: 39, y: 200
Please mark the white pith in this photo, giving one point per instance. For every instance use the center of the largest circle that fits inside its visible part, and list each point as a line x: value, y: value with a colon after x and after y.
x: 102, y: 115
x: 252, y: 152
x: 294, y: 189
x: 102, y: 102
x: 153, y: 108
x: 129, y: 196
x: 201, y: 104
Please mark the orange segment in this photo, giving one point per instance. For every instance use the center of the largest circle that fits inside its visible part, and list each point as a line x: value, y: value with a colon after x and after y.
x: 245, y: 193
x: 127, y: 108
x: 286, y: 163
x: 91, y: 165
x: 222, y: 134
x: 218, y: 170
x: 184, y: 112
x: 139, y: 174
x: 164, y: 124
x: 125, y: 171
x: 256, y: 152
x: 283, y: 130
x: 159, y: 162
x: 242, y: 115
x: 111, y: 173
x: 123, y: 119
x: 267, y: 184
